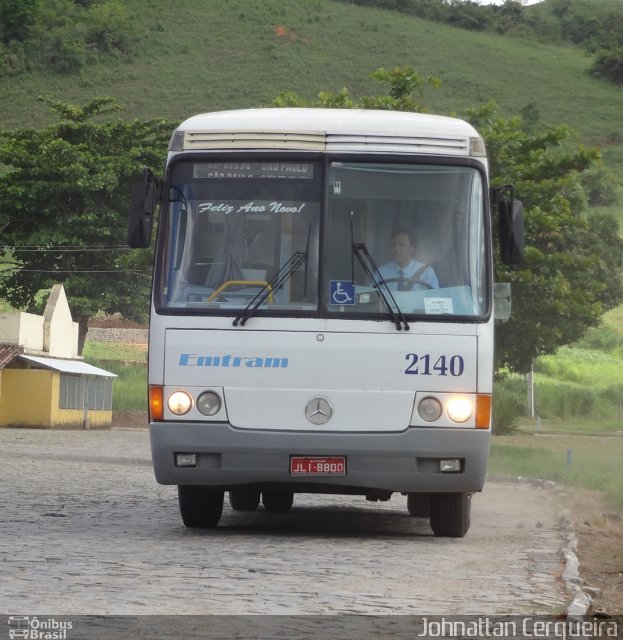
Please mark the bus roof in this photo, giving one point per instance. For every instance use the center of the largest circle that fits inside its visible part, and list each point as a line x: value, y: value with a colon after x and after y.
x: 337, y: 130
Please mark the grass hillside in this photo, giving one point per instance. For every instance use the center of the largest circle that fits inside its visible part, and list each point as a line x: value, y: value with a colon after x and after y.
x: 194, y: 56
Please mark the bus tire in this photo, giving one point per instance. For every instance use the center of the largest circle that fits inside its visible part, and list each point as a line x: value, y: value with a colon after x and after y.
x: 244, y: 500
x: 277, y: 501
x: 450, y: 514
x: 418, y: 505
x: 200, y: 507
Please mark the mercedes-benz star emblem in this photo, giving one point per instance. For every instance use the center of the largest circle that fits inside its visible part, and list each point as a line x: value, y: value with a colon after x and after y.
x: 319, y: 411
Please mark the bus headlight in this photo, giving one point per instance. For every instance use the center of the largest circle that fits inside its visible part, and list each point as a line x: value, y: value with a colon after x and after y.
x: 429, y: 409
x: 179, y: 403
x: 209, y: 403
x: 460, y: 409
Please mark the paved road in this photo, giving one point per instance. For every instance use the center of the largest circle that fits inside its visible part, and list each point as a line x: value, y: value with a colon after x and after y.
x: 86, y: 530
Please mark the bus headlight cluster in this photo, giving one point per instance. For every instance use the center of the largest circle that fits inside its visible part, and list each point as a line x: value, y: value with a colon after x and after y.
x: 429, y: 409
x: 458, y: 409
x: 209, y: 403
x: 180, y: 402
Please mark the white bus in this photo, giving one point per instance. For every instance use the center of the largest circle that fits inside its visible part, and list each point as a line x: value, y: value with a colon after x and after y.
x: 322, y: 310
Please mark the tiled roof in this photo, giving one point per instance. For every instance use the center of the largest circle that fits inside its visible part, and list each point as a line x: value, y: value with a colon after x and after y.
x: 8, y: 352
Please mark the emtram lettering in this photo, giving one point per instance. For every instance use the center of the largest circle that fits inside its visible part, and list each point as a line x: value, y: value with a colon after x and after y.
x: 229, y: 361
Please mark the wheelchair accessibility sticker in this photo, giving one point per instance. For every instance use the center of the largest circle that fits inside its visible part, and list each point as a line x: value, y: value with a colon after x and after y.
x: 342, y: 292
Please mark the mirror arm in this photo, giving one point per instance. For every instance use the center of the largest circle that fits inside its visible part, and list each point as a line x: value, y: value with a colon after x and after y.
x: 498, y: 193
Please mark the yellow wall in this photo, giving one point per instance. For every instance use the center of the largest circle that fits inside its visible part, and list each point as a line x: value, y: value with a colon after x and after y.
x: 72, y: 418
x: 27, y: 397
x: 30, y: 398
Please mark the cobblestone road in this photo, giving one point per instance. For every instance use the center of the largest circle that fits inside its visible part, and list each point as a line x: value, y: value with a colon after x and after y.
x: 86, y: 530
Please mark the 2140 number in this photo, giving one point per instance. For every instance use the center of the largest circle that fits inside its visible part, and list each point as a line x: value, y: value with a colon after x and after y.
x: 443, y: 366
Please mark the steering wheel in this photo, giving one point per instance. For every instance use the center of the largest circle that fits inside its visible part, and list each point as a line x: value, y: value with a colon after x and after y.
x: 410, y: 282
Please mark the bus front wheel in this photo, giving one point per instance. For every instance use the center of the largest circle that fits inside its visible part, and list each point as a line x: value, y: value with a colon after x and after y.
x: 450, y: 514
x: 200, y: 507
x: 418, y: 505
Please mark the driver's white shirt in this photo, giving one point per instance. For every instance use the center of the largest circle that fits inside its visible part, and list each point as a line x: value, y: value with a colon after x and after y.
x: 393, y: 270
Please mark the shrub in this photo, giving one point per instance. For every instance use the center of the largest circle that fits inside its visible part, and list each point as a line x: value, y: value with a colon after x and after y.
x: 509, y: 405
x: 108, y: 29
x: 63, y: 51
x: 601, y: 186
x: 13, y: 59
x: 609, y: 65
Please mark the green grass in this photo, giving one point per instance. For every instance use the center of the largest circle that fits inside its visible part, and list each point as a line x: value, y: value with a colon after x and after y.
x: 573, y: 425
x: 585, y: 381
x: 214, y: 55
x: 595, y: 461
x: 120, y: 352
x: 130, y: 388
x: 579, y: 401
x: 583, y: 366
x: 608, y: 336
x: 580, y: 388
x: 130, y: 364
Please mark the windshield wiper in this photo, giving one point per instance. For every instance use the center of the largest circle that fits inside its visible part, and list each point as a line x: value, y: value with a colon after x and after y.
x: 360, y: 251
x: 285, y: 271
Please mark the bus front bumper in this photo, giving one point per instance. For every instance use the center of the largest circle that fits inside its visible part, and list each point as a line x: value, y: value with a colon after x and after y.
x: 408, y: 461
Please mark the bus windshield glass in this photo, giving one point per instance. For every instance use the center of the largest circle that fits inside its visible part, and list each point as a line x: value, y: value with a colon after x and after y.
x: 396, y: 238
x: 419, y: 229
x: 236, y: 229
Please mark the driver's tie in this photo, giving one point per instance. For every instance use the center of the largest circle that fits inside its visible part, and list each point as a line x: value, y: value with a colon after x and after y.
x: 402, y: 283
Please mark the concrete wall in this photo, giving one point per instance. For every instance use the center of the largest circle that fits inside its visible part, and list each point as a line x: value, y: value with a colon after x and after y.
x: 25, y: 329
x: 60, y: 333
x: 100, y: 334
x: 54, y: 333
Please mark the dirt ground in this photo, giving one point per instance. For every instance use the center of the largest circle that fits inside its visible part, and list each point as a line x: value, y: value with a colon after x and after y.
x: 598, y: 528
x: 126, y: 419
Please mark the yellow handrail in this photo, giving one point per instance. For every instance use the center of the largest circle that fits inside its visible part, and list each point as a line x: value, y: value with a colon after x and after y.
x: 249, y: 283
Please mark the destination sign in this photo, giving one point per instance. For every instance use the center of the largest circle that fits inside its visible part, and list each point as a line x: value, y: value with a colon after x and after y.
x: 269, y: 170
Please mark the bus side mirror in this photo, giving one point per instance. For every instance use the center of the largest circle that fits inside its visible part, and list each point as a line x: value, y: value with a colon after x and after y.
x: 510, y: 213
x: 142, y: 205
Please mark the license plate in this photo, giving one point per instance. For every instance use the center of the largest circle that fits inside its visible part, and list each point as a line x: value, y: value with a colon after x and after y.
x: 317, y: 466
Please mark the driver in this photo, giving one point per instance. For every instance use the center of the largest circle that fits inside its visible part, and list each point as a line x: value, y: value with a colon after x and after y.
x: 404, y: 273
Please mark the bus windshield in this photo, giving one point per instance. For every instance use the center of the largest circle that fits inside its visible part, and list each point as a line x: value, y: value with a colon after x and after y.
x: 237, y: 228
x: 422, y: 227
x: 245, y: 231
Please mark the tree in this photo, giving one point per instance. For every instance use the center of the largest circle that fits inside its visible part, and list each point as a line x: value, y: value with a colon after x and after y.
x: 63, y: 209
x: 572, y: 271
x: 17, y: 18
x: 401, y: 85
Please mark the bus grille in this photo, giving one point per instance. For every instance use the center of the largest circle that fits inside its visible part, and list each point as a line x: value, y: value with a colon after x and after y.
x: 399, y: 144
x: 298, y: 141
x: 254, y: 140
